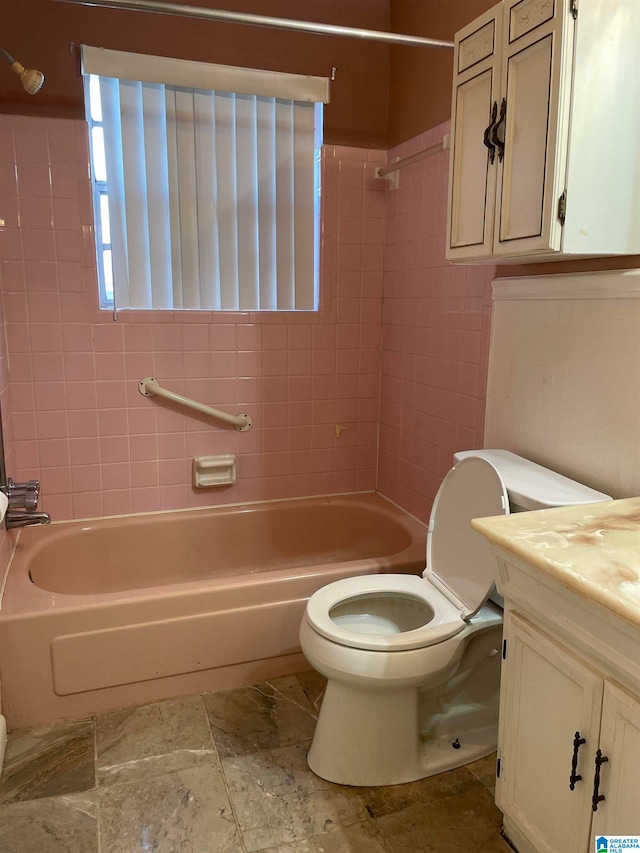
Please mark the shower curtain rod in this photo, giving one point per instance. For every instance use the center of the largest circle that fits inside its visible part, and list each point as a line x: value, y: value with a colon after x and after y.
x: 264, y: 21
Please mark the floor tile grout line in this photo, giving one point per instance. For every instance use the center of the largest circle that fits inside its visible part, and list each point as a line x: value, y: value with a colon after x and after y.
x: 94, y: 719
x: 223, y: 775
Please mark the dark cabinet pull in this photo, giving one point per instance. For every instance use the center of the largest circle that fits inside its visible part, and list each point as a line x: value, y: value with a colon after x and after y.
x: 499, y: 143
x: 597, y: 797
x: 487, y: 141
x: 577, y: 743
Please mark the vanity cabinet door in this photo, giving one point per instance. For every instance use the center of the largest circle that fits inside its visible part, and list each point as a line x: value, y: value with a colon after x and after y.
x: 619, y: 812
x: 547, y: 695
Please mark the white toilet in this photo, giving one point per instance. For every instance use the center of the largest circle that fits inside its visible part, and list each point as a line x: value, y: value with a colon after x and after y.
x: 413, y: 663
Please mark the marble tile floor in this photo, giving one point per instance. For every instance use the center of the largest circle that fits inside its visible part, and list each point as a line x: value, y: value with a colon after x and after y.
x: 224, y: 772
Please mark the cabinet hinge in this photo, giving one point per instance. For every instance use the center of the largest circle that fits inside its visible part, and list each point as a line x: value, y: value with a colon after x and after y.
x: 504, y: 650
x: 498, y: 762
x: 574, y: 9
x: 562, y: 207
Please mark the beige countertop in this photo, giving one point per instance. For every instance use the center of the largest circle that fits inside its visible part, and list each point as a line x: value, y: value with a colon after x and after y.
x: 593, y: 549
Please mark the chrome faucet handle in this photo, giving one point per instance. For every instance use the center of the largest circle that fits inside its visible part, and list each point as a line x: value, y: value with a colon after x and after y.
x: 22, y: 495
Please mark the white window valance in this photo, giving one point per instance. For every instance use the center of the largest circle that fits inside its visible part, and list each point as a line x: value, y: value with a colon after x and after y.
x: 202, y: 75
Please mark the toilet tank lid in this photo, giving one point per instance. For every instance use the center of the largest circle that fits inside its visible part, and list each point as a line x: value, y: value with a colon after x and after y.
x: 532, y: 486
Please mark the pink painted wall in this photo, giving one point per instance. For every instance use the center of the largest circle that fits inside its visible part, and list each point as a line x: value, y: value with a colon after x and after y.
x: 80, y: 424
x: 435, y: 337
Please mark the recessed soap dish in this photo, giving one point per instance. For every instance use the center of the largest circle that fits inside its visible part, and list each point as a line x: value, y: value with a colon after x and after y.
x: 211, y: 471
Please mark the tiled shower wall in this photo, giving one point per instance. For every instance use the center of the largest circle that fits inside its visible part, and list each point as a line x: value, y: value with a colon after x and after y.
x: 435, y: 337
x: 79, y: 422
x: 99, y: 447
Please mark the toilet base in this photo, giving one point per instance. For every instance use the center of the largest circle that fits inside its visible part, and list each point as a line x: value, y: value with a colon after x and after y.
x: 369, y: 738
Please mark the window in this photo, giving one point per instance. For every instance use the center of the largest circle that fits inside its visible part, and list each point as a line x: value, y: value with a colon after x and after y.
x: 204, y: 198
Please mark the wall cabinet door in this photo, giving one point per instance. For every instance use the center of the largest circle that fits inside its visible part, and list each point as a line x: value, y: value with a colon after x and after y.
x: 619, y: 812
x: 534, y: 123
x: 563, y: 77
x: 476, y: 90
x: 547, y: 695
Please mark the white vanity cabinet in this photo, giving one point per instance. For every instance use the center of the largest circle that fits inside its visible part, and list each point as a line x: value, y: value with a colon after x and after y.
x: 545, y: 161
x: 560, y: 718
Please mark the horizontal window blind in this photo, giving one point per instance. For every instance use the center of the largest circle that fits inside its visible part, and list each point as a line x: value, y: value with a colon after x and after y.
x: 213, y: 196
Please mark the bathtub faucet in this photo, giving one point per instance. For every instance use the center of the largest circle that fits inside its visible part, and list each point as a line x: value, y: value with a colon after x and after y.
x: 23, y: 501
x: 22, y: 518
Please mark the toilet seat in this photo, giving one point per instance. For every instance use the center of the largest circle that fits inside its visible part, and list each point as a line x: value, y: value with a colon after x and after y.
x: 399, y: 612
x: 444, y: 619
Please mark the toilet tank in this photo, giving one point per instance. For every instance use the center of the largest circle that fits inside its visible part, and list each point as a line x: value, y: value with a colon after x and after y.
x: 531, y: 486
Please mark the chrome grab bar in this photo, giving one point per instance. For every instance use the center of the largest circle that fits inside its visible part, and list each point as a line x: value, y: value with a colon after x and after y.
x: 150, y: 387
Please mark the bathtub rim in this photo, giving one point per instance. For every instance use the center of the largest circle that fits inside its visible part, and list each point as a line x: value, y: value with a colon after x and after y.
x: 21, y: 597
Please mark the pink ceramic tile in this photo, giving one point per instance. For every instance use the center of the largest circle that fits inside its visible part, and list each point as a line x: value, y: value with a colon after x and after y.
x: 83, y: 423
x: 84, y: 451
x: 38, y: 245
x: 137, y: 365
x: 87, y: 505
x: 12, y: 275
x: 11, y: 244
x: 53, y: 452
x: 64, y: 182
x: 55, y: 481
x: 167, y: 338
x: 144, y: 474
x: 222, y: 337
x: 86, y: 478
x: 110, y: 366
x: 66, y: 214
x: 114, y: 449
x: 195, y: 338
x: 36, y: 213
x: 52, y: 424
x: 26, y: 454
x: 143, y: 448
x: 116, y: 502
x: 274, y: 337
x: 43, y: 307
x: 168, y: 366
x: 80, y: 395
x: 60, y: 507
x: 109, y: 337
x: 34, y: 180
x: 41, y: 276
x: 249, y: 337
x: 116, y: 476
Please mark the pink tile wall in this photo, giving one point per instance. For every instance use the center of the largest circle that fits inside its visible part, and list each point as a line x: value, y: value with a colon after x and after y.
x: 78, y: 421
x: 7, y: 538
x: 435, y: 337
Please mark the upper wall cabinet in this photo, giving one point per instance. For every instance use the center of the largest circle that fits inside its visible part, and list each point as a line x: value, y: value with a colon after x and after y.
x: 545, y: 160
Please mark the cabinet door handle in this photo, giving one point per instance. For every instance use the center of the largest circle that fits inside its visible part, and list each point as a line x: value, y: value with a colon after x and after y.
x: 597, y: 797
x: 577, y: 743
x: 499, y: 143
x: 487, y: 140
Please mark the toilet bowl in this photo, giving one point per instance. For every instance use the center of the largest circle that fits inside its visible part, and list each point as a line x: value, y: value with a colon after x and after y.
x: 413, y: 662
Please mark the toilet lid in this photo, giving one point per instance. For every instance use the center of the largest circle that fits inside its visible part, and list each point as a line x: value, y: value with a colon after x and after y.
x: 459, y: 561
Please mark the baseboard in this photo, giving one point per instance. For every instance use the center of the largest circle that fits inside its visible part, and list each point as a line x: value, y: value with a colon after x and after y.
x: 3, y: 740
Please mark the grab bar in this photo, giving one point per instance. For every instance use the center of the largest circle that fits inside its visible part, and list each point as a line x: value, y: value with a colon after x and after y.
x: 150, y: 387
